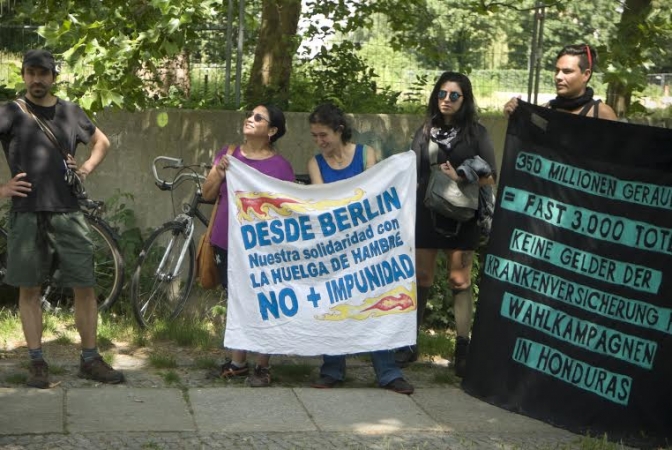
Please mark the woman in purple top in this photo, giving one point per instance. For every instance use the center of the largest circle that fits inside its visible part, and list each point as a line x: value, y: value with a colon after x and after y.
x: 340, y: 159
x: 262, y: 128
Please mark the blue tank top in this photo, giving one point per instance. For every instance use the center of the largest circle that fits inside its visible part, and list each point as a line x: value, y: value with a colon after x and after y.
x: 330, y: 175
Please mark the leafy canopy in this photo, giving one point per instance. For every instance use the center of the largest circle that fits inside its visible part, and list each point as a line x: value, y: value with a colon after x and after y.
x: 116, y: 46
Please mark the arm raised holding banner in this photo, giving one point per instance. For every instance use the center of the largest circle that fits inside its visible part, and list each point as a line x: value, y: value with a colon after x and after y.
x: 573, y: 70
x: 262, y: 127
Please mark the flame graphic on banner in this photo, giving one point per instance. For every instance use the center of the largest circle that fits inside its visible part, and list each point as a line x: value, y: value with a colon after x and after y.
x: 260, y: 204
x: 396, y: 301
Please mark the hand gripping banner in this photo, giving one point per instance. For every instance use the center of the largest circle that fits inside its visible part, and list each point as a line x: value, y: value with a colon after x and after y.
x: 574, y: 320
x: 324, y: 269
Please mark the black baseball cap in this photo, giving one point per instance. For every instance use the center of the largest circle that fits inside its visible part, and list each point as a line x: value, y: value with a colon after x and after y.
x: 40, y: 58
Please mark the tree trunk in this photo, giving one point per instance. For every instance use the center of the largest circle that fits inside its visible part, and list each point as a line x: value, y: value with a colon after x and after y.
x: 628, y: 34
x: 175, y: 72
x: 272, y: 67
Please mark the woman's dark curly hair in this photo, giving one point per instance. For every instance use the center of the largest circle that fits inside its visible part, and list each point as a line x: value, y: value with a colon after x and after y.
x: 332, y: 116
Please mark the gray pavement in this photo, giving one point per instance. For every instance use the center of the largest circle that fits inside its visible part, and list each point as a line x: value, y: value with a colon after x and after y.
x: 126, y: 417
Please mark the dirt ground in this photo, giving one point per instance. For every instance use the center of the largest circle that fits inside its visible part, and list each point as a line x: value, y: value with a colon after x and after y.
x: 195, y: 367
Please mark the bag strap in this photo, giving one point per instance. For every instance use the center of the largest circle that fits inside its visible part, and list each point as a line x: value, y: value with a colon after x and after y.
x: 231, y: 149
x: 26, y: 108
x: 433, y: 149
x: 596, y: 111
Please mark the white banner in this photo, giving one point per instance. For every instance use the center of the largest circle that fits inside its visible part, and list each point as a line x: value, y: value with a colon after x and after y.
x: 324, y: 269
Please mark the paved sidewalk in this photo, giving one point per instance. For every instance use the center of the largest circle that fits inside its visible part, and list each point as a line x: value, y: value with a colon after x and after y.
x: 123, y: 417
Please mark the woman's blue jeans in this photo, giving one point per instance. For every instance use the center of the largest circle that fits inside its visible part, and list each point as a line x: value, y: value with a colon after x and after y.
x: 383, y: 364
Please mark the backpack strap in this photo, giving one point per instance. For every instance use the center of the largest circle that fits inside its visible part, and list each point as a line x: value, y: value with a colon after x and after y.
x: 587, y: 106
x: 597, y: 108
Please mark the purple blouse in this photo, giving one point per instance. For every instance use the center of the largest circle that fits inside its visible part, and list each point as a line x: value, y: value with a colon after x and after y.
x: 276, y: 166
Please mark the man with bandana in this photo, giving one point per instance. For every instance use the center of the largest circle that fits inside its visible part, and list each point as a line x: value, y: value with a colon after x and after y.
x: 573, y: 70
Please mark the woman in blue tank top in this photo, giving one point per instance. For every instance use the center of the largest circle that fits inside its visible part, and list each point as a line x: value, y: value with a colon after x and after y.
x: 340, y: 159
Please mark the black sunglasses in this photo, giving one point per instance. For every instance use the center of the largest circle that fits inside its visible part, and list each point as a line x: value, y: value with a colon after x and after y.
x: 452, y: 95
x: 256, y: 116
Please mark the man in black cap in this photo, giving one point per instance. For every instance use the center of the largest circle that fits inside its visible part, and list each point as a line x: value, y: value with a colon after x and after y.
x: 39, y: 134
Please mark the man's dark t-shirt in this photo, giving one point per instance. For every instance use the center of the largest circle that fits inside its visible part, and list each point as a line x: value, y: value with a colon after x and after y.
x: 29, y: 150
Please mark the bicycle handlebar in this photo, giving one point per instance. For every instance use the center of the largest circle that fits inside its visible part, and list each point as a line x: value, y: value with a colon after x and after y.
x: 176, y: 163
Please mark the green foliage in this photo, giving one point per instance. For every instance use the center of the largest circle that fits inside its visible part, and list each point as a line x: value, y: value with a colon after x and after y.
x: 353, y: 89
x: 117, y: 47
x: 641, y: 36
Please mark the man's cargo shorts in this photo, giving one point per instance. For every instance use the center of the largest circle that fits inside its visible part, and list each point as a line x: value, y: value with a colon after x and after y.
x: 40, y: 243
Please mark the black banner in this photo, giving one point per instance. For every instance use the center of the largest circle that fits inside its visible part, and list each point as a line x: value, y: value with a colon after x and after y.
x: 574, y: 319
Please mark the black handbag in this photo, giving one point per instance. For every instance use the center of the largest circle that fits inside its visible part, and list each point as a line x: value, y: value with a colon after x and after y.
x: 455, y: 200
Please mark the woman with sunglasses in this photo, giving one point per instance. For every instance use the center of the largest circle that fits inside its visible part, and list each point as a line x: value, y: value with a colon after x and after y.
x: 451, y: 124
x: 340, y: 159
x: 262, y: 127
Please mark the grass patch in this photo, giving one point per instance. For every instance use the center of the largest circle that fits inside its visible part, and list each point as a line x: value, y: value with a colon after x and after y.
x: 593, y: 443
x: 56, y: 370
x: 16, y: 378
x: 205, y: 363
x: 64, y: 339
x: 185, y: 333
x: 140, y: 339
x: 110, y: 330
x: 10, y: 326
x: 445, y: 377
x: 171, y: 377
x: 51, y: 323
x: 289, y: 373
x: 433, y: 344
x: 162, y: 361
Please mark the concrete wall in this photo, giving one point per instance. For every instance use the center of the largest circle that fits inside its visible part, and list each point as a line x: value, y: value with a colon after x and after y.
x: 195, y: 136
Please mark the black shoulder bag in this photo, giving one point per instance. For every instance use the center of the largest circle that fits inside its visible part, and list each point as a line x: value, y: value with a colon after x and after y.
x: 71, y: 178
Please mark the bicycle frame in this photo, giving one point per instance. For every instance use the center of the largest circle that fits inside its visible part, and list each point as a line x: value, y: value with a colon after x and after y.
x: 169, y: 266
x: 187, y: 217
x: 189, y: 228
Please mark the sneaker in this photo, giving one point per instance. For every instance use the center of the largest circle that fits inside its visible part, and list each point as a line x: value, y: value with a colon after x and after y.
x: 39, y: 374
x: 400, y: 386
x: 99, y: 370
x: 228, y: 370
x: 405, y: 356
x: 325, y: 382
x: 260, y: 378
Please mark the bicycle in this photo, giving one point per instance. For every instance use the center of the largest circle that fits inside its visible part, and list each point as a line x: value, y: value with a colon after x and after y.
x: 166, y: 268
x: 107, y: 257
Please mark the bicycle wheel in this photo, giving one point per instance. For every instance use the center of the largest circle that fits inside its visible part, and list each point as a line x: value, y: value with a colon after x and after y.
x: 108, y: 264
x: 108, y: 267
x: 9, y: 295
x: 161, y: 284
